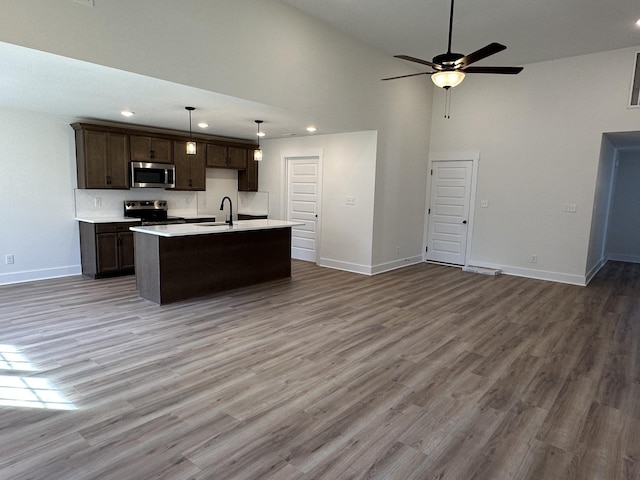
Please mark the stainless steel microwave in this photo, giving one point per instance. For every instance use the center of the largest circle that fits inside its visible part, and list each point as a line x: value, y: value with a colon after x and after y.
x: 153, y: 175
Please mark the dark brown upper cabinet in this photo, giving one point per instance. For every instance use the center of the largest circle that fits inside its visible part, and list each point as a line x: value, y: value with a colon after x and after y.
x: 221, y: 156
x: 190, y: 169
x: 151, y: 149
x: 102, y: 158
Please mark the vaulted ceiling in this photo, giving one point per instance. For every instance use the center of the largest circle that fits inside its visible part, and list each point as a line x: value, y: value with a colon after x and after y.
x: 533, y: 31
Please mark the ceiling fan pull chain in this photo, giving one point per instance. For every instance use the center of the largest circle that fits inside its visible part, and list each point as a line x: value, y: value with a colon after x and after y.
x: 447, y: 103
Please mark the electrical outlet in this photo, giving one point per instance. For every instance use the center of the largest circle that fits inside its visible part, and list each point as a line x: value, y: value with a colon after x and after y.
x: 8, y: 259
x: 88, y: 3
x: 484, y: 203
x: 534, y: 258
x: 97, y: 202
x: 351, y: 200
x: 397, y: 249
x: 569, y: 207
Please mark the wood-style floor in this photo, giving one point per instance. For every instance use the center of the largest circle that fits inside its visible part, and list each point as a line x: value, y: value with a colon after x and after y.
x: 422, y: 373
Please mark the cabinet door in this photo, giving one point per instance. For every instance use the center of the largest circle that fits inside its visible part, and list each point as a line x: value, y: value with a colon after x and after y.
x: 107, y: 252
x: 199, y: 170
x: 190, y: 169
x: 127, y: 256
x: 248, y: 178
x: 216, y: 156
x: 102, y: 159
x: 94, y: 155
x: 150, y: 149
x: 118, y: 161
x: 237, y: 158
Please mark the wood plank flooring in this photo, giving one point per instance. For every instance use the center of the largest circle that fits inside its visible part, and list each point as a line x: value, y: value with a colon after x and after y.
x: 422, y: 373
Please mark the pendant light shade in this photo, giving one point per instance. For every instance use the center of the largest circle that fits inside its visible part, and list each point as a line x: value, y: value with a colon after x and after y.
x: 191, y: 145
x: 257, y: 153
x: 448, y: 78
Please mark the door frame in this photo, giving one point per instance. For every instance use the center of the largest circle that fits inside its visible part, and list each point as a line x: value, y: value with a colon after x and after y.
x: 474, y: 158
x: 302, y: 154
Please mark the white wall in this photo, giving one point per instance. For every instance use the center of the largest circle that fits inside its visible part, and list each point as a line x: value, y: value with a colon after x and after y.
x: 623, y: 241
x: 37, y: 160
x: 601, y: 207
x: 348, y: 169
x: 539, y: 136
x: 300, y: 65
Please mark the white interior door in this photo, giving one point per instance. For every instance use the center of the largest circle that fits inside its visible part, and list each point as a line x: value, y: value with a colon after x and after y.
x: 449, y: 211
x: 303, y: 200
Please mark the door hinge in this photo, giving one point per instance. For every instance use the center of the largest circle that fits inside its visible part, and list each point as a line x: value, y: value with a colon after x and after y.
x: 426, y: 249
x: 429, y: 212
x: 432, y: 171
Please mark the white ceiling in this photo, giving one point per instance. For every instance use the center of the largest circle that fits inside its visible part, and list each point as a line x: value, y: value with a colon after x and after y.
x: 532, y: 30
x: 43, y: 82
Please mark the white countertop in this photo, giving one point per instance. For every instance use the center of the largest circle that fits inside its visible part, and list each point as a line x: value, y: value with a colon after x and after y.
x: 130, y: 219
x: 106, y: 219
x: 185, y: 229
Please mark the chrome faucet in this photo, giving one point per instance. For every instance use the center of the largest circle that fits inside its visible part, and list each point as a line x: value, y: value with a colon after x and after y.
x: 230, y: 222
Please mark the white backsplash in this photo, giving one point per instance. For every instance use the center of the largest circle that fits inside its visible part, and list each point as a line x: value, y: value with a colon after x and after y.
x: 253, y: 203
x: 220, y: 183
x: 110, y: 203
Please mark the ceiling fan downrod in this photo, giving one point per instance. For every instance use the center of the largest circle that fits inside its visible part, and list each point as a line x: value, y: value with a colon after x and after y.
x: 450, y: 28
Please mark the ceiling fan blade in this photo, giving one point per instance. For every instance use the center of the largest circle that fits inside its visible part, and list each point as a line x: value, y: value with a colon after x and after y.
x: 500, y: 70
x: 478, y: 55
x: 419, y: 60
x: 410, y: 75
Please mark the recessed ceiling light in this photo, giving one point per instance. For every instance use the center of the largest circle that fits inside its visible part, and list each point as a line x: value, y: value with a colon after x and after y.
x: 127, y: 113
x: 203, y: 124
x: 311, y: 129
x: 638, y: 23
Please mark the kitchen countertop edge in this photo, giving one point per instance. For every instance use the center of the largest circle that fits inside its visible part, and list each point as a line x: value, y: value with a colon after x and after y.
x: 187, y: 229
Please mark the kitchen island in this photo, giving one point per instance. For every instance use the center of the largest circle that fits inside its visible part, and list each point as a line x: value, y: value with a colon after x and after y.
x: 181, y: 261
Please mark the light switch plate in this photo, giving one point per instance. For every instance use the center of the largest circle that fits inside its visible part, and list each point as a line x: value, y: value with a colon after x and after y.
x: 569, y: 207
x: 351, y: 200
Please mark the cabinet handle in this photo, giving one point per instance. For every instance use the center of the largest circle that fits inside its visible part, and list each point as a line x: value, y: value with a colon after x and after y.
x: 190, y: 183
x: 108, y: 179
x: 152, y: 154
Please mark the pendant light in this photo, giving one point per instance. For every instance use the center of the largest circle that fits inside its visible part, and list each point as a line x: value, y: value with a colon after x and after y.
x: 257, y: 153
x: 191, y: 145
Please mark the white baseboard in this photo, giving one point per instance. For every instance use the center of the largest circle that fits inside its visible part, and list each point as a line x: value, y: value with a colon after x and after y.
x: 346, y: 266
x: 369, y: 269
x: 396, y: 264
x: 537, y: 274
x: 596, y: 268
x: 33, y: 275
x: 623, y: 257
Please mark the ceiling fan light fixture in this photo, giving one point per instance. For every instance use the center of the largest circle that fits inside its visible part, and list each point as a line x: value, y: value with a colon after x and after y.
x: 447, y: 78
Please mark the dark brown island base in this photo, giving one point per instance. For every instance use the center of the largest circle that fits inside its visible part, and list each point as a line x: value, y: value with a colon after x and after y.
x: 177, y: 262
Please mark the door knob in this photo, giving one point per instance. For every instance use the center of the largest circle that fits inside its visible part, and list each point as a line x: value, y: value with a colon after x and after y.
x: 464, y: 222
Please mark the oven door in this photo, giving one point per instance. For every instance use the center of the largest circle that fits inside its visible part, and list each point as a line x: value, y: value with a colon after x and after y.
x: 152, y: 175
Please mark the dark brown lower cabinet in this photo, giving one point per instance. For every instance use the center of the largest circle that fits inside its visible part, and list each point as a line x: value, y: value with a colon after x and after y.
x: 107, y: 249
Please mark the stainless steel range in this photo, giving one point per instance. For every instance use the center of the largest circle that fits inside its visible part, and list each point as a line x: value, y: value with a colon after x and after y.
x: 150, y: 212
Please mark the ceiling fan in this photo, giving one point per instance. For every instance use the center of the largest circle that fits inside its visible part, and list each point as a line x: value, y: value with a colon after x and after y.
x: 450, y: 68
